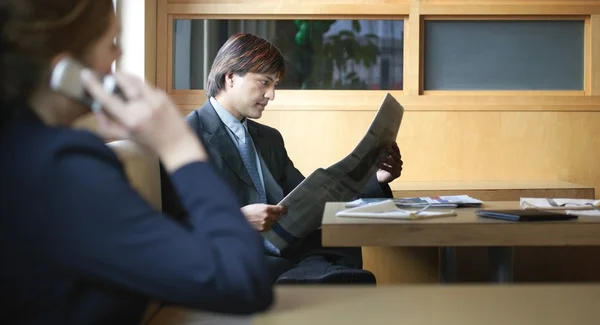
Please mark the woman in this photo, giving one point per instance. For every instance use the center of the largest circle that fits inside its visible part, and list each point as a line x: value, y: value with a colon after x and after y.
x: 78, y: 245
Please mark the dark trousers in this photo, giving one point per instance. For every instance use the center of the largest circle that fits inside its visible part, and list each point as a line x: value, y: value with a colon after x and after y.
x: 309, y: 252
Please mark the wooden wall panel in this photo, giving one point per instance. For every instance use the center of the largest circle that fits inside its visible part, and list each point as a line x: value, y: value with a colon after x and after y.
x: 150, y: 41
x: 448, y: 146
x: 594, y: 55
x: 509, y: 7
x: 289, y: 7
x: 362, y: 100
x: 413, y: 60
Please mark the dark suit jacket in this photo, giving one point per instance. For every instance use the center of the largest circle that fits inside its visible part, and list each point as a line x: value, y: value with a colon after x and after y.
x: 280, y: 175
x: 78, y: 245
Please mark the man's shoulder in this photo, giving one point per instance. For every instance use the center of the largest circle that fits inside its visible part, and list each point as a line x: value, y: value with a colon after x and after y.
x: 264, y: 129
x: 199, y: 118
x: 198, y: 112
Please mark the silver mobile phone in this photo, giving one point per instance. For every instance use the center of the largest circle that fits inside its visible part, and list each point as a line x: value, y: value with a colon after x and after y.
x: 66, y: 79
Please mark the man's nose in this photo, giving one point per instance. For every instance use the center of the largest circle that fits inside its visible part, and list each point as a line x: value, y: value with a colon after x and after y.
x: 270, y: 94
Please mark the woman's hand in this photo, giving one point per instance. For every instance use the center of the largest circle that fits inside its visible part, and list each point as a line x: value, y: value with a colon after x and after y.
x: 148, y: 117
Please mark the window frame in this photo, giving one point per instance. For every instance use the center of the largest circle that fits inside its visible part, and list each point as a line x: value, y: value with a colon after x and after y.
x: 414, y: 13
x: 492, y: 92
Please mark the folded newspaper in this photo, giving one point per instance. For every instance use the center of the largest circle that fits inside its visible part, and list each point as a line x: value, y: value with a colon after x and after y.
x: 579, y: 207
x: 448, y: 201
x: 388, y: 210
x: 339, y: 182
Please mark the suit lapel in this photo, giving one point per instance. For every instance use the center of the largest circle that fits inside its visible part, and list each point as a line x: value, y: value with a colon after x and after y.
x: 261, y: 144
x: 272, y: 188
x: 221, y: 141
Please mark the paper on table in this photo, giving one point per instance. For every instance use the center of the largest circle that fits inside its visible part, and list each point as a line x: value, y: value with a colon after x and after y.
x: 580, y: 207
x: 448, y: 201
x: 388, y: 210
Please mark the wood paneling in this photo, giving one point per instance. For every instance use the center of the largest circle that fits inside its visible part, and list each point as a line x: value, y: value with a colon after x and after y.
x: 150, y: 41
x: 451, y: 146
x: 495, y: 190
x: 289, y: 7
x: 594, y: 55
x: 363, y: 100
x: 162, y: 44
x: 509, y: 7
x: 413, y: 45
x: 170, y: 52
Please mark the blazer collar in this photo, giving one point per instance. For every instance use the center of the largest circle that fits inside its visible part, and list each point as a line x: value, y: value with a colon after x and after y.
x: 221, y: 141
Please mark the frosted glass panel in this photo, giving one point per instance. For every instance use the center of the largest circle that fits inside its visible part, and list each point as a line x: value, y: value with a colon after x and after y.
x: 504, y: 55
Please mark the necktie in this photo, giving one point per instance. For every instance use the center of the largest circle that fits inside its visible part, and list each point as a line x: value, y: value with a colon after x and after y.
x: 248, y: 154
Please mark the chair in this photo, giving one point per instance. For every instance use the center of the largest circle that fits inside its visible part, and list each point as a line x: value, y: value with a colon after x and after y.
x: 142, y: 169
x: 143, y: 172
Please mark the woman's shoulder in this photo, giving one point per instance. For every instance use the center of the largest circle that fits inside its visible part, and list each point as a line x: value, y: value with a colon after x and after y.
x: 35, y: 154
x: 79, y: 141
x: 36, y: 143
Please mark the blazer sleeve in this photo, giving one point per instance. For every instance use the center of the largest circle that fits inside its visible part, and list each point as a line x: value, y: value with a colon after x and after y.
x: 101, y: 229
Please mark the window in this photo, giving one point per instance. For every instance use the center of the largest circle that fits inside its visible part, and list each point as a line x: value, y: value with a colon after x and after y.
x: 504, y: 55
x: 320, y: 54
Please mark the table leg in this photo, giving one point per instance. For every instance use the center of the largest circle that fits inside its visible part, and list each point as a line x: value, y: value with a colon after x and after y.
x: 501, y: 264
x: 448, y: 265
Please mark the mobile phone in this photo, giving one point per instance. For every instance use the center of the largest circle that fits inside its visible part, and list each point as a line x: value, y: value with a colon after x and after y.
x: 66, y: 79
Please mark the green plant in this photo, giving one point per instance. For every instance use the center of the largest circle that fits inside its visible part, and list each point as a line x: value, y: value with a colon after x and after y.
x: 342, y: 51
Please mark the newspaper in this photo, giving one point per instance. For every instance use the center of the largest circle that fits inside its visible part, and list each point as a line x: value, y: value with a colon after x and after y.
x: 388, y: 210
x: 340, y: 182
x: 579, y: 207
x: 448, y: 201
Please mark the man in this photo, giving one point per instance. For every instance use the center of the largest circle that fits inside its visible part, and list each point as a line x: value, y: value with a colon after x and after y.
x: 252, y: 158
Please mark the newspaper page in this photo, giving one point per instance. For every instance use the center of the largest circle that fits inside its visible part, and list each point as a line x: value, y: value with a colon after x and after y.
x: 339, y: 182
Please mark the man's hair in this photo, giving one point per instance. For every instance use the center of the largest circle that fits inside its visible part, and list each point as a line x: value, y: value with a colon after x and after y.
x: 243, y: 53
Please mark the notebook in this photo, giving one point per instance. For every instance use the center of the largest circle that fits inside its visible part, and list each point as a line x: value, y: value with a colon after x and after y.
x: 524, y: 215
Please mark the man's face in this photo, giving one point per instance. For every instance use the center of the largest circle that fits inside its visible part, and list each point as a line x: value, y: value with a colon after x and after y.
x: 250, y: 94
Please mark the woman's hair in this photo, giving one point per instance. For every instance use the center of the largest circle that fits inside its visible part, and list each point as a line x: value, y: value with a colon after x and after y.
x: 243, y: 53
x: 34, y: 32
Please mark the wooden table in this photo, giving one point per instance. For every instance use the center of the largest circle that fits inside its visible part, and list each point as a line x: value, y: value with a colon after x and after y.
x: 495, y: 190
x: 396, y: 242
x: 415, y: 305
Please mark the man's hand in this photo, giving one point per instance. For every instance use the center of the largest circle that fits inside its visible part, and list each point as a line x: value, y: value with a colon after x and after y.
x: 262, y: 217
x: 390, y: 167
